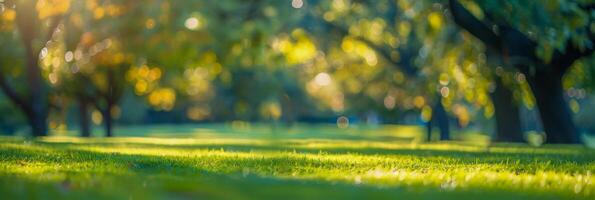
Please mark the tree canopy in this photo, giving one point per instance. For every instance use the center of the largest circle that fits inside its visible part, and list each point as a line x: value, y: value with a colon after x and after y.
x: 458, y: 64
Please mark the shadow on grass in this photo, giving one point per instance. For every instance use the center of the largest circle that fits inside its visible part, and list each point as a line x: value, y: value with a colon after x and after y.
x: 148, y: 176
x: 528, y: 159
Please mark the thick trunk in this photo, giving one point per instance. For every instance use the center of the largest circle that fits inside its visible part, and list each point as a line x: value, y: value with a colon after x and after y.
x: 26, y: 21
x: 38, y: 100
x: 508, y: 121
x: 84, y: 119
x: 38, y: 123
x: 553, y: 109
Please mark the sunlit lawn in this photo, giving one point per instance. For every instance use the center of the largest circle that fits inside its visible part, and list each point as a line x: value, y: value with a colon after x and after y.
x: 241, y: 162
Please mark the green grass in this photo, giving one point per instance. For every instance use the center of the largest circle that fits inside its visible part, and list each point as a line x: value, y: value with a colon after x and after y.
x: 221, y: 162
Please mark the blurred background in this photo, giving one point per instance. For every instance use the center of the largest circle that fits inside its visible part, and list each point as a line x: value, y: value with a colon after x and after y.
x: 511, y: 71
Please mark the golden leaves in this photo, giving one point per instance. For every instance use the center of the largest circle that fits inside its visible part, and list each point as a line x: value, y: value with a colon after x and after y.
x: 100, y: 11
x: 300, y: 51
x: 6, y: 19
x: 163, y: 98
x: 9, y: 15
x: 144, y: 78
x: 50, y: 8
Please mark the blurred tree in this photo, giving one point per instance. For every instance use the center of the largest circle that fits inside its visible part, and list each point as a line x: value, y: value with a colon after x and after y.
x: 423, y: 52
x: 237, y: 74
x: 539, y: 42
x: 95, y: 63
x: 35, y: 22
x: 369, y: 33
x: 277, y: 61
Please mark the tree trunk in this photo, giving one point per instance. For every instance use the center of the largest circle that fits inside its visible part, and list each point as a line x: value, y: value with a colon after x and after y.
x: 84, y: 119
x: 429, y: 129
x: 110, y: 99
x: 38, y: 103
x: 440, y: 118
x: 38, y: 123
x: 26, y: 21
x: 553, y: 109
x: 508, y: 121
x: 107, y: 121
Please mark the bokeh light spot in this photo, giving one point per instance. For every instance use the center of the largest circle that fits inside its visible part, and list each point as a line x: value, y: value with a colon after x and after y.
x: 322, y: 79
x: 342, y: 122
x: 192, y: 23
x: 297, y: 4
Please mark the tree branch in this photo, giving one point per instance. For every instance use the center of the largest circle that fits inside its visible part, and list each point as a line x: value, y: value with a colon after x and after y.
x: 587, y: 7
x: 513, y: 44
x: 12, y: 95
x: 470, y: 23
x: 564, y: 60
x: 572, y: 53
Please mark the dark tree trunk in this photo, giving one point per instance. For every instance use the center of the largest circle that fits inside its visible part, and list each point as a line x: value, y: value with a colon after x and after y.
x: 553, y: 108
x: 107, y: 121
x: 109, y: 103
x: 84, y: 119
x: 38, y: 102
x: 26, y: 23
x: 440, y: 118
x: 38, y: 124
x: 429, y: 129
x: 508, y: 121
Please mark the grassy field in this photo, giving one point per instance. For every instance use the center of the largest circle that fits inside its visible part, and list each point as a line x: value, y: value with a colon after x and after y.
x: 243, y: 162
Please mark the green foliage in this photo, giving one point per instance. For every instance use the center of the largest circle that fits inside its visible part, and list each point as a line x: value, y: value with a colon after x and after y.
x: 550, y: 23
